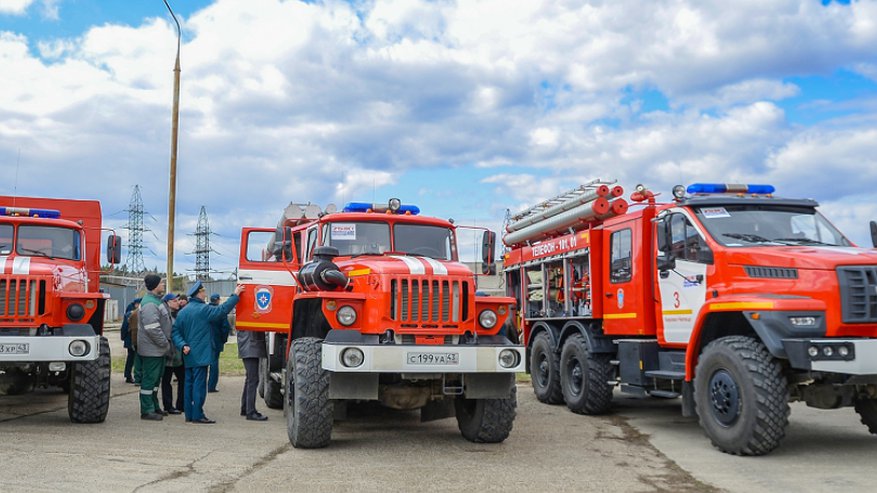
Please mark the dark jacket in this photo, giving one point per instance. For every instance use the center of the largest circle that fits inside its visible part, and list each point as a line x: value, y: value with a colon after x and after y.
x: 194, y: 327
x: 220, y: 333
x: 175, y: 359
x: 154, y: 329
x: 126, y: 328
x: 251, y: 344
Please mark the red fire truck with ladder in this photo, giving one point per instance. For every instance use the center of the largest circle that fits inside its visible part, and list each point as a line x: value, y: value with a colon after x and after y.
x: 372, y: 304
x: 734, y: 299
x: 51, y: 307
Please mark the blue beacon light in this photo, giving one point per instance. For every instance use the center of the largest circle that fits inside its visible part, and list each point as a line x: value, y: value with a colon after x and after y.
x: 366, y: 206
x: 730, y: 188
x: 25, y: 211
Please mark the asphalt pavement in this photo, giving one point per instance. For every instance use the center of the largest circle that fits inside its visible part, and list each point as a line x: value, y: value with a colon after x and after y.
x: 644, y: 445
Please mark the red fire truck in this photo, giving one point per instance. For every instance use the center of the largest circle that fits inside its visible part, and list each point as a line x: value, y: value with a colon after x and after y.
x: 372, y: 304
x: 734, y: 299
x: 51, y: 307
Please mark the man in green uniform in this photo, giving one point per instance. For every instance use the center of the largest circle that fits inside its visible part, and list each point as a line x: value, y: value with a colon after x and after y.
x: 153, y: 345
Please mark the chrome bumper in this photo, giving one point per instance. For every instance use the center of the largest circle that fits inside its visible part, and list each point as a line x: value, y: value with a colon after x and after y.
x: 397, y: 358
x: 29, y: 349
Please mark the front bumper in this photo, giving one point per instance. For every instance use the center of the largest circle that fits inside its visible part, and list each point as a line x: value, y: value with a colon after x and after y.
x: 860, y: 357
x: 399, y: 358
x: 30, y: 349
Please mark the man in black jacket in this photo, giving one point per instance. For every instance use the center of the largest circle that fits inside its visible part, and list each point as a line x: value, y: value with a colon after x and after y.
x: 251, y: 347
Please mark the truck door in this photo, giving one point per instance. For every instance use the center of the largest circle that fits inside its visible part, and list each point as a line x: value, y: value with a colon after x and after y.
x: 265, y: 267
x: 682, y: 260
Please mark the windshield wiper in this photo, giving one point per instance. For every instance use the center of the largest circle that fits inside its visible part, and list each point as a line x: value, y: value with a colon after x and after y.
x: 751, y: 238
x: 38, y: 253
x: 807, y: 241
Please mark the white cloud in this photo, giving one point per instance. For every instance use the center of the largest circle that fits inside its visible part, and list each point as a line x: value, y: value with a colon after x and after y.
x: 14, y: 7
x: 293, y: 101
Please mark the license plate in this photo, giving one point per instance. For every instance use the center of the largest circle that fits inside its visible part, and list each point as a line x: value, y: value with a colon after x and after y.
x: 14, y: 348
x: 433, y: 358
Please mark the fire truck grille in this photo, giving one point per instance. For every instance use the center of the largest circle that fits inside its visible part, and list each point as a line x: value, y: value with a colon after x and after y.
x: 858, y: 293
x: 21, y: 298
x: 426, y: 300
x: 771, y: 272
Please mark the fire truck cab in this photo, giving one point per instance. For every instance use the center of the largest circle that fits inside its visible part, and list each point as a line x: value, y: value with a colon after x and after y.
x: 51, y: 307
x: 733, y: 299
x: 372, y: 303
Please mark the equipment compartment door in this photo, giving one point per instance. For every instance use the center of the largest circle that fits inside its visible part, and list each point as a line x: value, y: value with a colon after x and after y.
x: 683, y: 288
x: 265, y: 268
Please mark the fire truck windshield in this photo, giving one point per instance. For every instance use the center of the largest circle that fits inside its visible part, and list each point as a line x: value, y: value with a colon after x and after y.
x: 427, y: 241
x: 358, y: 238
x: 48, y: 241
x: 765, y: 225
x: 373, y: 238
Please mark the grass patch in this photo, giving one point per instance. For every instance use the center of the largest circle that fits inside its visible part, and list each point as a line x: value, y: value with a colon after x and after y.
x: 229, y: 363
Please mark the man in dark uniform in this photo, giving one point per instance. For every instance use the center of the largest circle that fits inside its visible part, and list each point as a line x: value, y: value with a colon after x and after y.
x: 251, y: 347
x: 220, y: 335
x: 193, y: 333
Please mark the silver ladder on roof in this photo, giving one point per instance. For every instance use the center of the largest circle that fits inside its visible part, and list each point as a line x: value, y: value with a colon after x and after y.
x: 560, y: 199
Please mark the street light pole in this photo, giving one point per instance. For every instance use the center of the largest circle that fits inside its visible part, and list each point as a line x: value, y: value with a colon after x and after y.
x: 172, y: 194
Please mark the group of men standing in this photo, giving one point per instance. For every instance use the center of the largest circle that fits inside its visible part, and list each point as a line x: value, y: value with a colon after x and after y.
x: 184, y: 342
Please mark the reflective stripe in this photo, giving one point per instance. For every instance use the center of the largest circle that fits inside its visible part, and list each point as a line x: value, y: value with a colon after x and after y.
x: 437, y: 267
x: 21, y: 265
x: 414, y: 266
x: 145, y: 392
x: 155, y: 325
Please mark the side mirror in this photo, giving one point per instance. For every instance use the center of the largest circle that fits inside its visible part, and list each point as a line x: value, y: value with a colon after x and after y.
x: 666, y: 262
x: 114, y: 249
x: 283, y: 243
x: 488, y: 247
x: 874, y: 233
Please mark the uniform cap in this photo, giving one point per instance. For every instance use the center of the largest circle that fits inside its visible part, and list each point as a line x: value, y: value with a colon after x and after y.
x: 193, y: 290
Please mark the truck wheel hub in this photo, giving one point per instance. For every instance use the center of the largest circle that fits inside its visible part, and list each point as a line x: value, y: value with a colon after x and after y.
x: 725, y: 397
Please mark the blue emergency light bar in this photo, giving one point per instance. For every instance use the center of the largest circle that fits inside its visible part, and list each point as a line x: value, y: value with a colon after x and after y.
x: 730, y: 188
x: 367, y: 207
x: 25, y: 211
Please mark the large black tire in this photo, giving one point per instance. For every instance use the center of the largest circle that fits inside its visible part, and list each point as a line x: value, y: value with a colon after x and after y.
x: 486, y: 420
x: 309, y: 410
x: 545, y: 370
x: 269, y: 389
x: 89, y: 397
x: 15, y: 381
x: 741, y: 396
x: 584, y: 378
x: 867, y: 409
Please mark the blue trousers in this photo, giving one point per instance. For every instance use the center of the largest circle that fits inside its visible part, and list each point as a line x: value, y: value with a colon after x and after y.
x: 195, y: 392
x: 213, y: 374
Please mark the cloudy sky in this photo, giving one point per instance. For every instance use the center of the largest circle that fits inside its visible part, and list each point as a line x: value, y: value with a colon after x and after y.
x: 464, y: 108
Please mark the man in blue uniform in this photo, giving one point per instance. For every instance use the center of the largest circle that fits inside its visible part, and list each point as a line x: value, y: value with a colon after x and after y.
x: 193, y: 333
x: 220, y: 334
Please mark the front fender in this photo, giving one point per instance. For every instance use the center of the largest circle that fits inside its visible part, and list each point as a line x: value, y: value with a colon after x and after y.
x: 764, y: 315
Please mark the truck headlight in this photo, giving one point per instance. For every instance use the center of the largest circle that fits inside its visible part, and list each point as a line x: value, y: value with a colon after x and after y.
x: 803, y: 321
x: 78, y: 348
x: 487, y: 319
x: 346, y: 315
x: 508, y: 358
x: 352, y: 357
